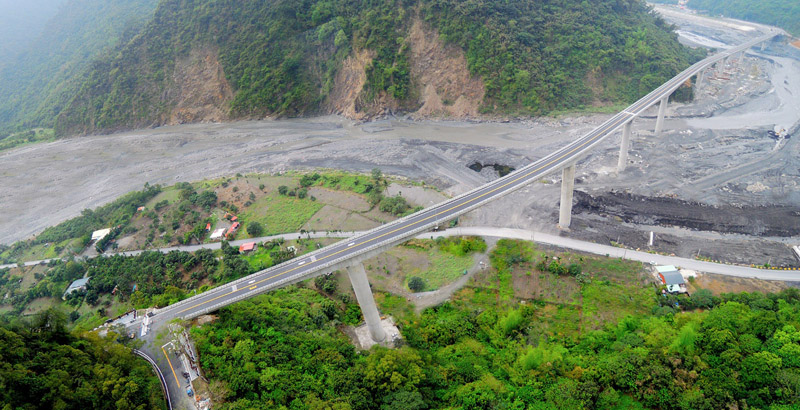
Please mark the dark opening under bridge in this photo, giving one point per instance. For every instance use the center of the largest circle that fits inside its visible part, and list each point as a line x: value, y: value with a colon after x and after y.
x: 349, y: 253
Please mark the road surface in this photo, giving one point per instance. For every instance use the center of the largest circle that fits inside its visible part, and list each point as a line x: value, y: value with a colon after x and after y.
x: 395, y: 232
x: 614, y: 252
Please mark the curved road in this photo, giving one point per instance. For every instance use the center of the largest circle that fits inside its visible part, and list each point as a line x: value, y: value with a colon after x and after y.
x: 337, y: 255
x: 614, y: 252
x: 160, y: 375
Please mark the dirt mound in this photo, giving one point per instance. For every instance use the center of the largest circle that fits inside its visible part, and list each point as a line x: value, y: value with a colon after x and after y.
x: 440, y: 77
x: 202, y: 90
x: 441, y: 74
x: 348, y: 84
x: 781, y: 221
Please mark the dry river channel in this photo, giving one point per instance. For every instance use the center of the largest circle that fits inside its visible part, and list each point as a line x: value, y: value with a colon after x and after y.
x: 715, y: 156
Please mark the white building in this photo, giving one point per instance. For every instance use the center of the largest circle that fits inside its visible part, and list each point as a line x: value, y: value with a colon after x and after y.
x: 217, y: 234
x: 98, y: 235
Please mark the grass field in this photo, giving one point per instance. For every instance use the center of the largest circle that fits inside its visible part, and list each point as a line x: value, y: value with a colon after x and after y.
x: 259, y: 259
x: 281, y: 214
x: 444, y: 268
x: 612, y: 289
x: 170, y: 194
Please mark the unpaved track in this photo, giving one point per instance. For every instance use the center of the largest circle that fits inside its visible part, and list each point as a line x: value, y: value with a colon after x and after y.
x: 614, y: 252
x: 44, y: 184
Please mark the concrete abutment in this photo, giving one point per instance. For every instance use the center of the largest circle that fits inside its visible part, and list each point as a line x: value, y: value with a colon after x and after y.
x: 358, y: 278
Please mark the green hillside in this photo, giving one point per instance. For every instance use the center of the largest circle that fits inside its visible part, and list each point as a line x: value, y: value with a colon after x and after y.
x: 20, y: 22
x: 36, y: 84
x: 281, y: 57
x: 43, y: 366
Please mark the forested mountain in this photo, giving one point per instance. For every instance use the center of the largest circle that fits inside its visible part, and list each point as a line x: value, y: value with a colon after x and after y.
x: 43, y: 366
x: 485, y: 349
x: 781, y: 13
x: 20, y: 23
x: 211, y: 60
x: 37, y: 82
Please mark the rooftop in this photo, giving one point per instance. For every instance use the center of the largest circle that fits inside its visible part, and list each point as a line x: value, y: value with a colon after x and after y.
x: 80, y: 283
x: 100, y: 234
x: 218, y: 233
x: 672, y: 278
x: 666, y: 268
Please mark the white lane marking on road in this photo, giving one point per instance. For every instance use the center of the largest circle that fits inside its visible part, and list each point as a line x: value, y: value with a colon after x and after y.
x: 313, y: 258
x: 233, y: 288
x: 301, y: 263
x: 350, y: 244
x: 251, y: 281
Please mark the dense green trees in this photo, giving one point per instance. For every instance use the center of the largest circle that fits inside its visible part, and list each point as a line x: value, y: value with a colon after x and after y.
x: 38, y: 82
x: 543, y: 56
x: 283, y: 349
x: 281, y: 57
x: 42, y: 366
x: 255, y: 228
x: 115, y: 213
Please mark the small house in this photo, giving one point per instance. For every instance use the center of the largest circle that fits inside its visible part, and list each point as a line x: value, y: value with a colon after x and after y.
x: 248, y: 247
x: 100, y: 234
x: 217, y: 234
x: 671, y: 278
x: 76, y: 286
x: 232, y: 230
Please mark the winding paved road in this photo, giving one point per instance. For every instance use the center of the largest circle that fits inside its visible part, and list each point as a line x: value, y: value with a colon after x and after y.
x: 359, y: 246
x: 611, y: 251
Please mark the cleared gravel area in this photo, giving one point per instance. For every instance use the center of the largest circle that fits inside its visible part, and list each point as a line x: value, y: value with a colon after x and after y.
x: 715, y: 151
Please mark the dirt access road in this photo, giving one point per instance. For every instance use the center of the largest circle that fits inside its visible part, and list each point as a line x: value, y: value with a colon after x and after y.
x: 694, y: 160
x: 45, y: 184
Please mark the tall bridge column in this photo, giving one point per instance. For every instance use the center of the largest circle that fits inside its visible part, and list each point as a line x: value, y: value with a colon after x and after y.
x: 358, y: 278
x: 624, y: 146
x: 701, y: 76
x: 662, y: 109
x: 567, y: 185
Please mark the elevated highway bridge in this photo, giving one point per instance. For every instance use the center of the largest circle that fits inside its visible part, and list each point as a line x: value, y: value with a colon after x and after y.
x: 349, y: 253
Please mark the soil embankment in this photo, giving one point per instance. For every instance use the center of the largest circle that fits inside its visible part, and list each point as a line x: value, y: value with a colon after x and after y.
x: 779, y: 221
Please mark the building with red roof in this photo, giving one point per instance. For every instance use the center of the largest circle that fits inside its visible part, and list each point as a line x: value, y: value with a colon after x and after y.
x: 248, y: 247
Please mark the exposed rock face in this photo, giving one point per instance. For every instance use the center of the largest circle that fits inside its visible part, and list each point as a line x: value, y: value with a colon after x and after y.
x: 440, y: 73
x: 348, y: 85
x: 197, y: 90
x: 443, y: 84
x: 201, y: 91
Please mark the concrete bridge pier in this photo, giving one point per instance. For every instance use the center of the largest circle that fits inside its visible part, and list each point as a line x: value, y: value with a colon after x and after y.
x: 358, y: 278
x: 662, y: 109
x: 701, y: 77
x: 567, y: 186
x: 719, y: 68
x: 624, y: 146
